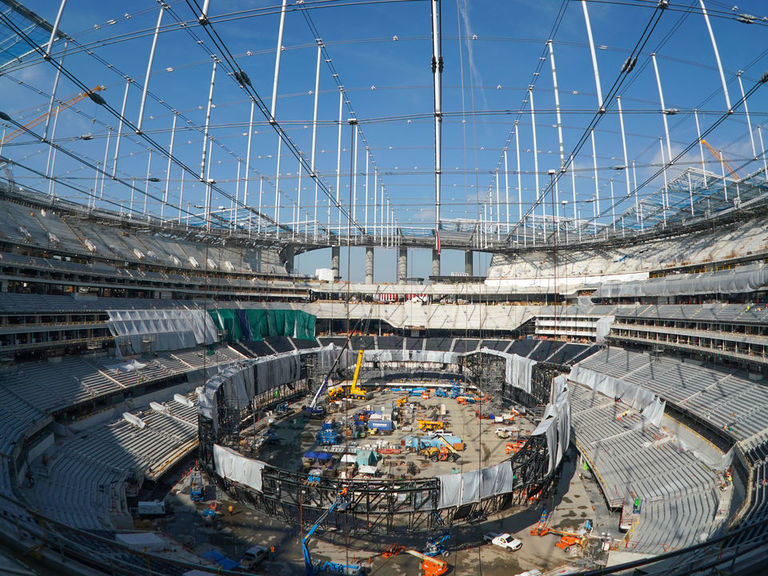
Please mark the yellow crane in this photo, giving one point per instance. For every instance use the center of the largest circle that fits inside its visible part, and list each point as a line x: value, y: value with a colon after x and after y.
x: 720, y: 158
x: 63, y: 106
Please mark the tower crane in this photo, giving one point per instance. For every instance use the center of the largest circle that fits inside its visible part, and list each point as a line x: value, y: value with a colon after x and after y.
x: 63, y: 106
x: 720, y: 158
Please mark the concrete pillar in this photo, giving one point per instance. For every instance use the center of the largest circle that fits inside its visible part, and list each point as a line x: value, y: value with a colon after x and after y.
x: 402, y: 264
x: 335, y: 257
x: 435, y: 263
x: 289, y: 255
x: 469, y: 262
x: 369, y: 264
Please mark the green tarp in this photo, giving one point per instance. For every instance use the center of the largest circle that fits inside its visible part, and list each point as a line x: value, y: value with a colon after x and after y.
x: 264, y: 323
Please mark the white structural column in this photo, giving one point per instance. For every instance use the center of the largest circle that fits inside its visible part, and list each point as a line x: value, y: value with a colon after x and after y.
x: 437, y: 72
x: 354, y: 177
x: 664, y: 173
x: 594, y: 168
x: 663, y: 107
x: 150, y: 60
x: 54, y: 30
x: 762, y: 148
x: 592, y: 52
x: 519, y: 191
x: 272, y: 112
x: 261, y: 194
x: 338, y: 159
x: 168, y: 168
x: 498, y: 207
x: 297, y: 219
x: 248, y: 166
x: 557, y: 104
x: 146, y: 182
x: 536, y: 169
x: 367, y: 158
x: 624, y: 150
x: 314, y: 131
x: 375, y: 200
x: 104, y: 163
x: 717, y: 55
x: 506, y: 188
x: 746, y: 113
x: 701, y: 146
x: 207, y: 120
x: 573, y: 190
x: 120, y: 128
x: 54, y: 90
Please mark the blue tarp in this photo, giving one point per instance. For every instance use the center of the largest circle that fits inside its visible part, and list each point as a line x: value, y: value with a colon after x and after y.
x: 218, y: 558
x: 322, y: 456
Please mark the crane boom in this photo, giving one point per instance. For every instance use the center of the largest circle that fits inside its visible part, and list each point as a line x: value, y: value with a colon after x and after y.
x: 63, y: 106
x: 720, y: 158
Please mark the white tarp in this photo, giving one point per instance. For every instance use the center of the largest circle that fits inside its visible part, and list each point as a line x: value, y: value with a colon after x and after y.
x: 518, y: 369
x: 172, y: 329
x: 459, y: 489
x: 603, y: 327
x: 650, y: 405
x: 130, y: 366
x: 237, y: 468
x: 435, y: 356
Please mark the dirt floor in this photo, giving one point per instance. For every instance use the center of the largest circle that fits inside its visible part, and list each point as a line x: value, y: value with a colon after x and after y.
x: 574, y: 500
x: 295, y: 435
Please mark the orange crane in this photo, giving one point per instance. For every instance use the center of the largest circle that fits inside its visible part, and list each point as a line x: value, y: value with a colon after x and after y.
x: 720, y: 158
x: 63, y: 106
x: 430, y: 566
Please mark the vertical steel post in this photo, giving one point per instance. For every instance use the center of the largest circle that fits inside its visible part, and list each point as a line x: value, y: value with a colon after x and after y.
x: 168, y: 168
x: 594, y: 167
x: 437, y: 72
x: 519, y: 192
x: 278, y: 53
x: 717, y: 56
x: 746, y: 113
x: 663, y: 106
x: 261, y: 193
x: 664, y: 173
x: 557, y: 103
x: 367, y: 154
x: 624, y: 145
x: 52, y: 101
x: 104, y: 164
x: 506, y: 187
x: 54, y: 30
x: 762, y: 147
x: 536, y: 169
x: 277, y: 186
x: 592, y: 52
x: 701, y: 146
x: 338, y: 158
x: 248, y: 167
x: 151, y: 59
x: 120, y: 128
x: 314, y: 128
x: 146, y: 182
x: 208, y: 119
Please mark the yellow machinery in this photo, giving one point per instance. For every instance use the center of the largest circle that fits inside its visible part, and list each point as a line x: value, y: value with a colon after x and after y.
x: 430, y: 425
x: 350, y: 390
x: 400, y: 402
x: 63, y: 106
x: 720, y: 158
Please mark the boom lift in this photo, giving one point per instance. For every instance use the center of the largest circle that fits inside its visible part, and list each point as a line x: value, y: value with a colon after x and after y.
x: 430, y: 566
x: 327, y: 567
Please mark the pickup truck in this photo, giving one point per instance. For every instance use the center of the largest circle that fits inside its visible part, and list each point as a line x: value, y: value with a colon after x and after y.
x: 503, y: 540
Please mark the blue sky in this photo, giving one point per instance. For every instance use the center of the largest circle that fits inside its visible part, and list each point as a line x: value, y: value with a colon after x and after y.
x: 382, y: 54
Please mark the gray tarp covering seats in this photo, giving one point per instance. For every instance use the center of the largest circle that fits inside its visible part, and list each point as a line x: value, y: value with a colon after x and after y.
x: 650, y: 405
x: 743, y: 279
x: 170, y: 329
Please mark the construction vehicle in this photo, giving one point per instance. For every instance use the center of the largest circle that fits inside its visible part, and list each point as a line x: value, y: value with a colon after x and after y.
x: 450, y: 451
x: 327, y: 567
x: 504, y: 540
x: 196, y: 487
x: 392, y: 550
x: 567, y: 539
x: 435, y: 546
x: 328, y: 435
x: 347, y: 390
x: 720, y: 158
x: 430, y: 566
x: 63, y: 106
x: 400, y: 402
x: 430, y: 425
x: 514, y: 447
x: 441, y: 454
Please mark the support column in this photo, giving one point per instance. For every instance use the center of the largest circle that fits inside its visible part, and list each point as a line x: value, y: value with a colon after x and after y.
x: 289, y: 253
x: 402, y: 264
x: 469, y: 263
x: 435, y: 263
x: 369, y: 264
x: 335, y: 257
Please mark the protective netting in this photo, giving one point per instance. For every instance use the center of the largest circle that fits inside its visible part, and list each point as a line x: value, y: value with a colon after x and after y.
x: 556, y: 423
x: 257, y: 324
x: 167, y: 329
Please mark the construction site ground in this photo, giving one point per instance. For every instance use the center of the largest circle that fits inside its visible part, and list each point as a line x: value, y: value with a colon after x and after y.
x: 295, y: 435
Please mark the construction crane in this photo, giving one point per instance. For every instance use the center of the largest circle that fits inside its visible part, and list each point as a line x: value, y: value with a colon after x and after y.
x: 63, y: 106
x: 327, y: 567
x: 720, y: 158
